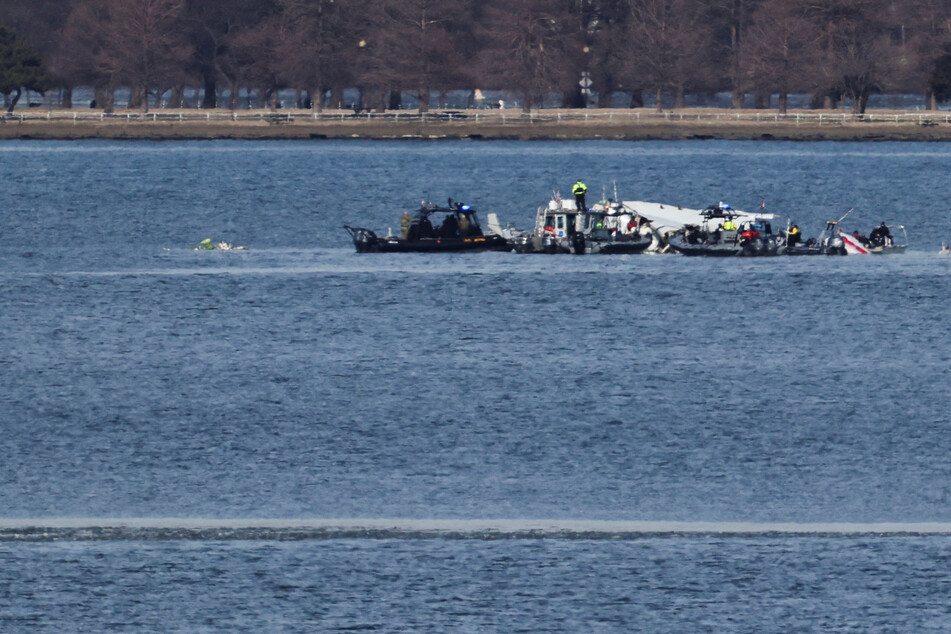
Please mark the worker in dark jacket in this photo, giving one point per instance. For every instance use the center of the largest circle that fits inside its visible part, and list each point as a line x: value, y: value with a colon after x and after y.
x: 880, y: 236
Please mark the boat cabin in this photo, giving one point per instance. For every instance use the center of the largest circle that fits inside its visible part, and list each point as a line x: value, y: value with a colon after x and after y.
x: 723, y: 225
x: 561, y: 219
x: 455, y: 221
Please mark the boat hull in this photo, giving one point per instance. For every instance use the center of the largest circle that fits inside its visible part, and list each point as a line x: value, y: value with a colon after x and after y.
x: 883, y: 250
x: 366, y: 241
x: 812, y: 250
x: 754, y: 248
x: 616, y: 248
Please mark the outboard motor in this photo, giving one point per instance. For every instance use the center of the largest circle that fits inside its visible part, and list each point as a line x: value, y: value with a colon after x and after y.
x: 577, y: 244
x: 363, y: 239
x: 835, y: 246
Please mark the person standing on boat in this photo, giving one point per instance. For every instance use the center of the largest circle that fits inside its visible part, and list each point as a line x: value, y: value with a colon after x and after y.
x: 405, y: 222
x: 579, y: 191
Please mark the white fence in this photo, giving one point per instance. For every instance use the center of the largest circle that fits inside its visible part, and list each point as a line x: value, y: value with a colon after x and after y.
x: 487, y: 117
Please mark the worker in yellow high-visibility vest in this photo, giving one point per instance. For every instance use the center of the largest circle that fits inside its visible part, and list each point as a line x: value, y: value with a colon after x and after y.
x: 579, y: 190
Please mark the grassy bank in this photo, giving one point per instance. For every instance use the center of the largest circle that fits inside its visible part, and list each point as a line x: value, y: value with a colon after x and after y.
x: 546, y: 124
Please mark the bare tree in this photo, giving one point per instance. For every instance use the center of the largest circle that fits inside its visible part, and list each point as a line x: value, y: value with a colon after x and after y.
x: 415, y: 47
x: 210, y: 27
x: 322, y: 40
x: 856, y: 54
x: 136, y: 42
x: 731, y: 19
x: 780, y: 45
x: 606, y: 31
x: 531, y: 46
x: 667, y: 41
x: 922, y: 34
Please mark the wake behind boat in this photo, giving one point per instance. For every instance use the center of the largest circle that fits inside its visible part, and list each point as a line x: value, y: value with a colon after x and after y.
x: 433, y: 229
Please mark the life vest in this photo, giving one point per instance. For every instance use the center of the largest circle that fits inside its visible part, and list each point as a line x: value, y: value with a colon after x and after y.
x: 579, y: 188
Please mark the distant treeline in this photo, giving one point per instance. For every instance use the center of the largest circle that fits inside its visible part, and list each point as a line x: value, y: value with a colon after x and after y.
x: 833, y: 49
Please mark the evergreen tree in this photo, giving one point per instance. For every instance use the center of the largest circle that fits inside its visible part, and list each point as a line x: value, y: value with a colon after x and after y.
x: 20, y: 68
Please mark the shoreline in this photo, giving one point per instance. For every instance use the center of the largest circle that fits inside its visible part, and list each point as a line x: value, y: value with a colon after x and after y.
x: 623, y: 125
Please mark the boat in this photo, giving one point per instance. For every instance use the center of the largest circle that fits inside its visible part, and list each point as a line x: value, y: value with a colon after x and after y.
x: 885, y: 244
x: 834, y: 241
x: 722, y: 232
x: 607, y: 228
x: 829, y: 242
x: 434, y: 229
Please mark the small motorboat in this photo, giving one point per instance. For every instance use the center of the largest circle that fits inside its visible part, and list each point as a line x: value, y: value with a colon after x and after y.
x: 433, y: 229
x: 835, y: 241
x: 883, y: 242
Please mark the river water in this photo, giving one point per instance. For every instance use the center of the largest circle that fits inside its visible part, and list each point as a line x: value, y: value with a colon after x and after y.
x: 301, y: 382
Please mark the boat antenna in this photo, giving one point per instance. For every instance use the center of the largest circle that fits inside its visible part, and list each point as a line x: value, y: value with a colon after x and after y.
x: 616, y: 199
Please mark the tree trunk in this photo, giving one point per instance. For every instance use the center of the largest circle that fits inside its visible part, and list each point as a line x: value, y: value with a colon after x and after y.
x: 573, y: 98
x: 423, y: 99
x: 761, y: 99
x: 637, y: 99
x: 210, y: 100
x: 862, y: 102
x: 395, y: 100
x: 527, y: 102
x: 177, y: 98
x: 738, y: 97
x: 660, y: 100
x: 783, y: 101
x: 13, y: 102
x: 135, y: 97
x: 931, y: 100
x: 233, y: 96
x: 336, y: 97
x: 679, y: 99
x: 67, y: 98
x: 105, y: 98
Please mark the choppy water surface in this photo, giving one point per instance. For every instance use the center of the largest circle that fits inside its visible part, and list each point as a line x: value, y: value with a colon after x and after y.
x: 300, y: 380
